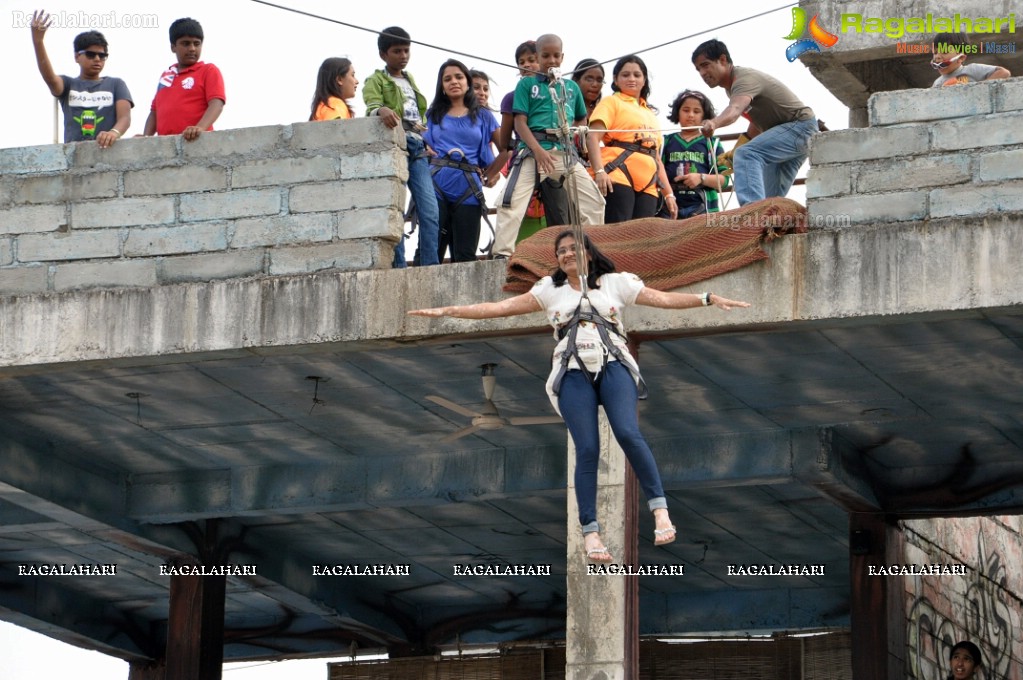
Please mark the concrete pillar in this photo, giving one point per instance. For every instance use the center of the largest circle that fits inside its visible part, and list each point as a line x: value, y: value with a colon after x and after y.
x: 195, y: 628
x: 596, y: 633
x: 859, y: 117
x: 878, y: 610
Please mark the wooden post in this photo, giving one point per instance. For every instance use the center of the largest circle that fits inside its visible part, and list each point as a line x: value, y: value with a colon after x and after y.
x: 631, y: 556
x: 195, y: 624
x: 195, y: 628
x: 878, y: 610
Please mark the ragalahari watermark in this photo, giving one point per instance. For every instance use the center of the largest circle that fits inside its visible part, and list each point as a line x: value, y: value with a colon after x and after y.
x: 90, y: 20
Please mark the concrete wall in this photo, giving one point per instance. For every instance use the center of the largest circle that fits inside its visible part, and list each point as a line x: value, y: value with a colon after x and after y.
x: 236, y: 203
x: 983, y: 606
x: 942, y: 153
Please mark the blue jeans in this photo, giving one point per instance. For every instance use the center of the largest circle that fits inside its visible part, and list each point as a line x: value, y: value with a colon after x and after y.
x: 615, y: 390
x: 420, y: 184
x: 767, y: 165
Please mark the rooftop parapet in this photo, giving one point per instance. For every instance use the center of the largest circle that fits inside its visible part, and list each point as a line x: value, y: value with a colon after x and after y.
x: 930, y: 154
x: 282, y: 199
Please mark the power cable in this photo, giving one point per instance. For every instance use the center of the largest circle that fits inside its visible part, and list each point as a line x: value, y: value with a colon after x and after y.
x: 376, y: 32
x: 703, y: 32
x: 515, y: 66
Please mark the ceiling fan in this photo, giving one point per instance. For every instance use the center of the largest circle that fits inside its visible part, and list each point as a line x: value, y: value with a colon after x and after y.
x: 488, y: 417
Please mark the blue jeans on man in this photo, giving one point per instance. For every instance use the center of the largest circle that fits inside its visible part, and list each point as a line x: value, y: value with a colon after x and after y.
x: 615, y: 390
x: 767, y: 165
x: 420, y: 185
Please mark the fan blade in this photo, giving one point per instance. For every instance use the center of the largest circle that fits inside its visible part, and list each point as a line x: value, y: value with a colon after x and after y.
x: 459, y: 434
x: 452, y: 406
x: 534, y: 420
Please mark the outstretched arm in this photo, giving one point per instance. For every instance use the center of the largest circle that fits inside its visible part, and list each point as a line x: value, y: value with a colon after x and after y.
x: 736, y: 105
x: 40, y: 22
x: 520, y: 304
x: 659, y: 298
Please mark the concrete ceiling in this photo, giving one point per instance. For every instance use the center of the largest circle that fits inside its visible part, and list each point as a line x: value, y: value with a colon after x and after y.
x: 323, y: 456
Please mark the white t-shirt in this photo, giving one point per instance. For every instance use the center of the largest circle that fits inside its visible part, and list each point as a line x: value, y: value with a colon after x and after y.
x: 616, y: 291
x: 411, y: 111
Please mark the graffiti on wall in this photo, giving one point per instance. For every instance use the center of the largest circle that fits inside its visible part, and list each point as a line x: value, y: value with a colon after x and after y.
x: 983, y: 615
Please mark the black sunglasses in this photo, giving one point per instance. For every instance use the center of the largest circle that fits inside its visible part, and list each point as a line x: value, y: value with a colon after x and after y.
x: 92, y: 55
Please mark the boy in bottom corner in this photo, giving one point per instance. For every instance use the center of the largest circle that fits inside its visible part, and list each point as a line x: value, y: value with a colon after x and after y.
x: 391, y: 94
x: 190, y: 95
x: 948, y: 58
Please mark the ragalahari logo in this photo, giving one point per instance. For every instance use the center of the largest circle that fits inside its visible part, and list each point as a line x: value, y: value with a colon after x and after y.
x: 819, y: 37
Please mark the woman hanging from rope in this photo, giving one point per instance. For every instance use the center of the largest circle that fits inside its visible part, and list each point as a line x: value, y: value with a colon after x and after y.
x: 628, y: 169
x: 592, y: 366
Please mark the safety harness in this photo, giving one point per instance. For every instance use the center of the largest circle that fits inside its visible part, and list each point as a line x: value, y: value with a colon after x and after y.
x: 619, y: 162
x: 552, y: 191
x: 473, y: 187
x: 604, y: 330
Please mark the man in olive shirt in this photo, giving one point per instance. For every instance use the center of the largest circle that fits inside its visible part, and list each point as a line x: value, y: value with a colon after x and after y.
x: 780, y: 125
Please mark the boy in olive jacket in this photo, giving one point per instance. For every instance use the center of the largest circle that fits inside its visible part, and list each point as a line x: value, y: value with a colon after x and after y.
x: 391, y: 94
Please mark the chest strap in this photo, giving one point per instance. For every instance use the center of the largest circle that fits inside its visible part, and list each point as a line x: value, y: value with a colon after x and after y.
x: 604, y: 330
x: 473, y: 186
x: 630, y: 148
x: 552, y: 190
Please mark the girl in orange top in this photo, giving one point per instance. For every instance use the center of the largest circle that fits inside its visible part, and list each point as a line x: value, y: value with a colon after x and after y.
x: 335, y: 84
x: 630, y: 171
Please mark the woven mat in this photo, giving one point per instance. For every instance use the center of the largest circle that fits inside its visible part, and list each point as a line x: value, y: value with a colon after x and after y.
x: 668, y: 254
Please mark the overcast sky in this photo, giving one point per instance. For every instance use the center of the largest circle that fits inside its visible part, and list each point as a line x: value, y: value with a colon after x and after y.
x: 269, y: 58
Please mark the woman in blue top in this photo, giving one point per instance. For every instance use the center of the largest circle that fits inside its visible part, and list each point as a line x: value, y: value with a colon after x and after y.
x: 459, y: 134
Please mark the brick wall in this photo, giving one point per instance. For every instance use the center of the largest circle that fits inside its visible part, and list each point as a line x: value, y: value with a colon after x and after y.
x: 234, y: 203
x: 984, y: 606
x: 932, y: 153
